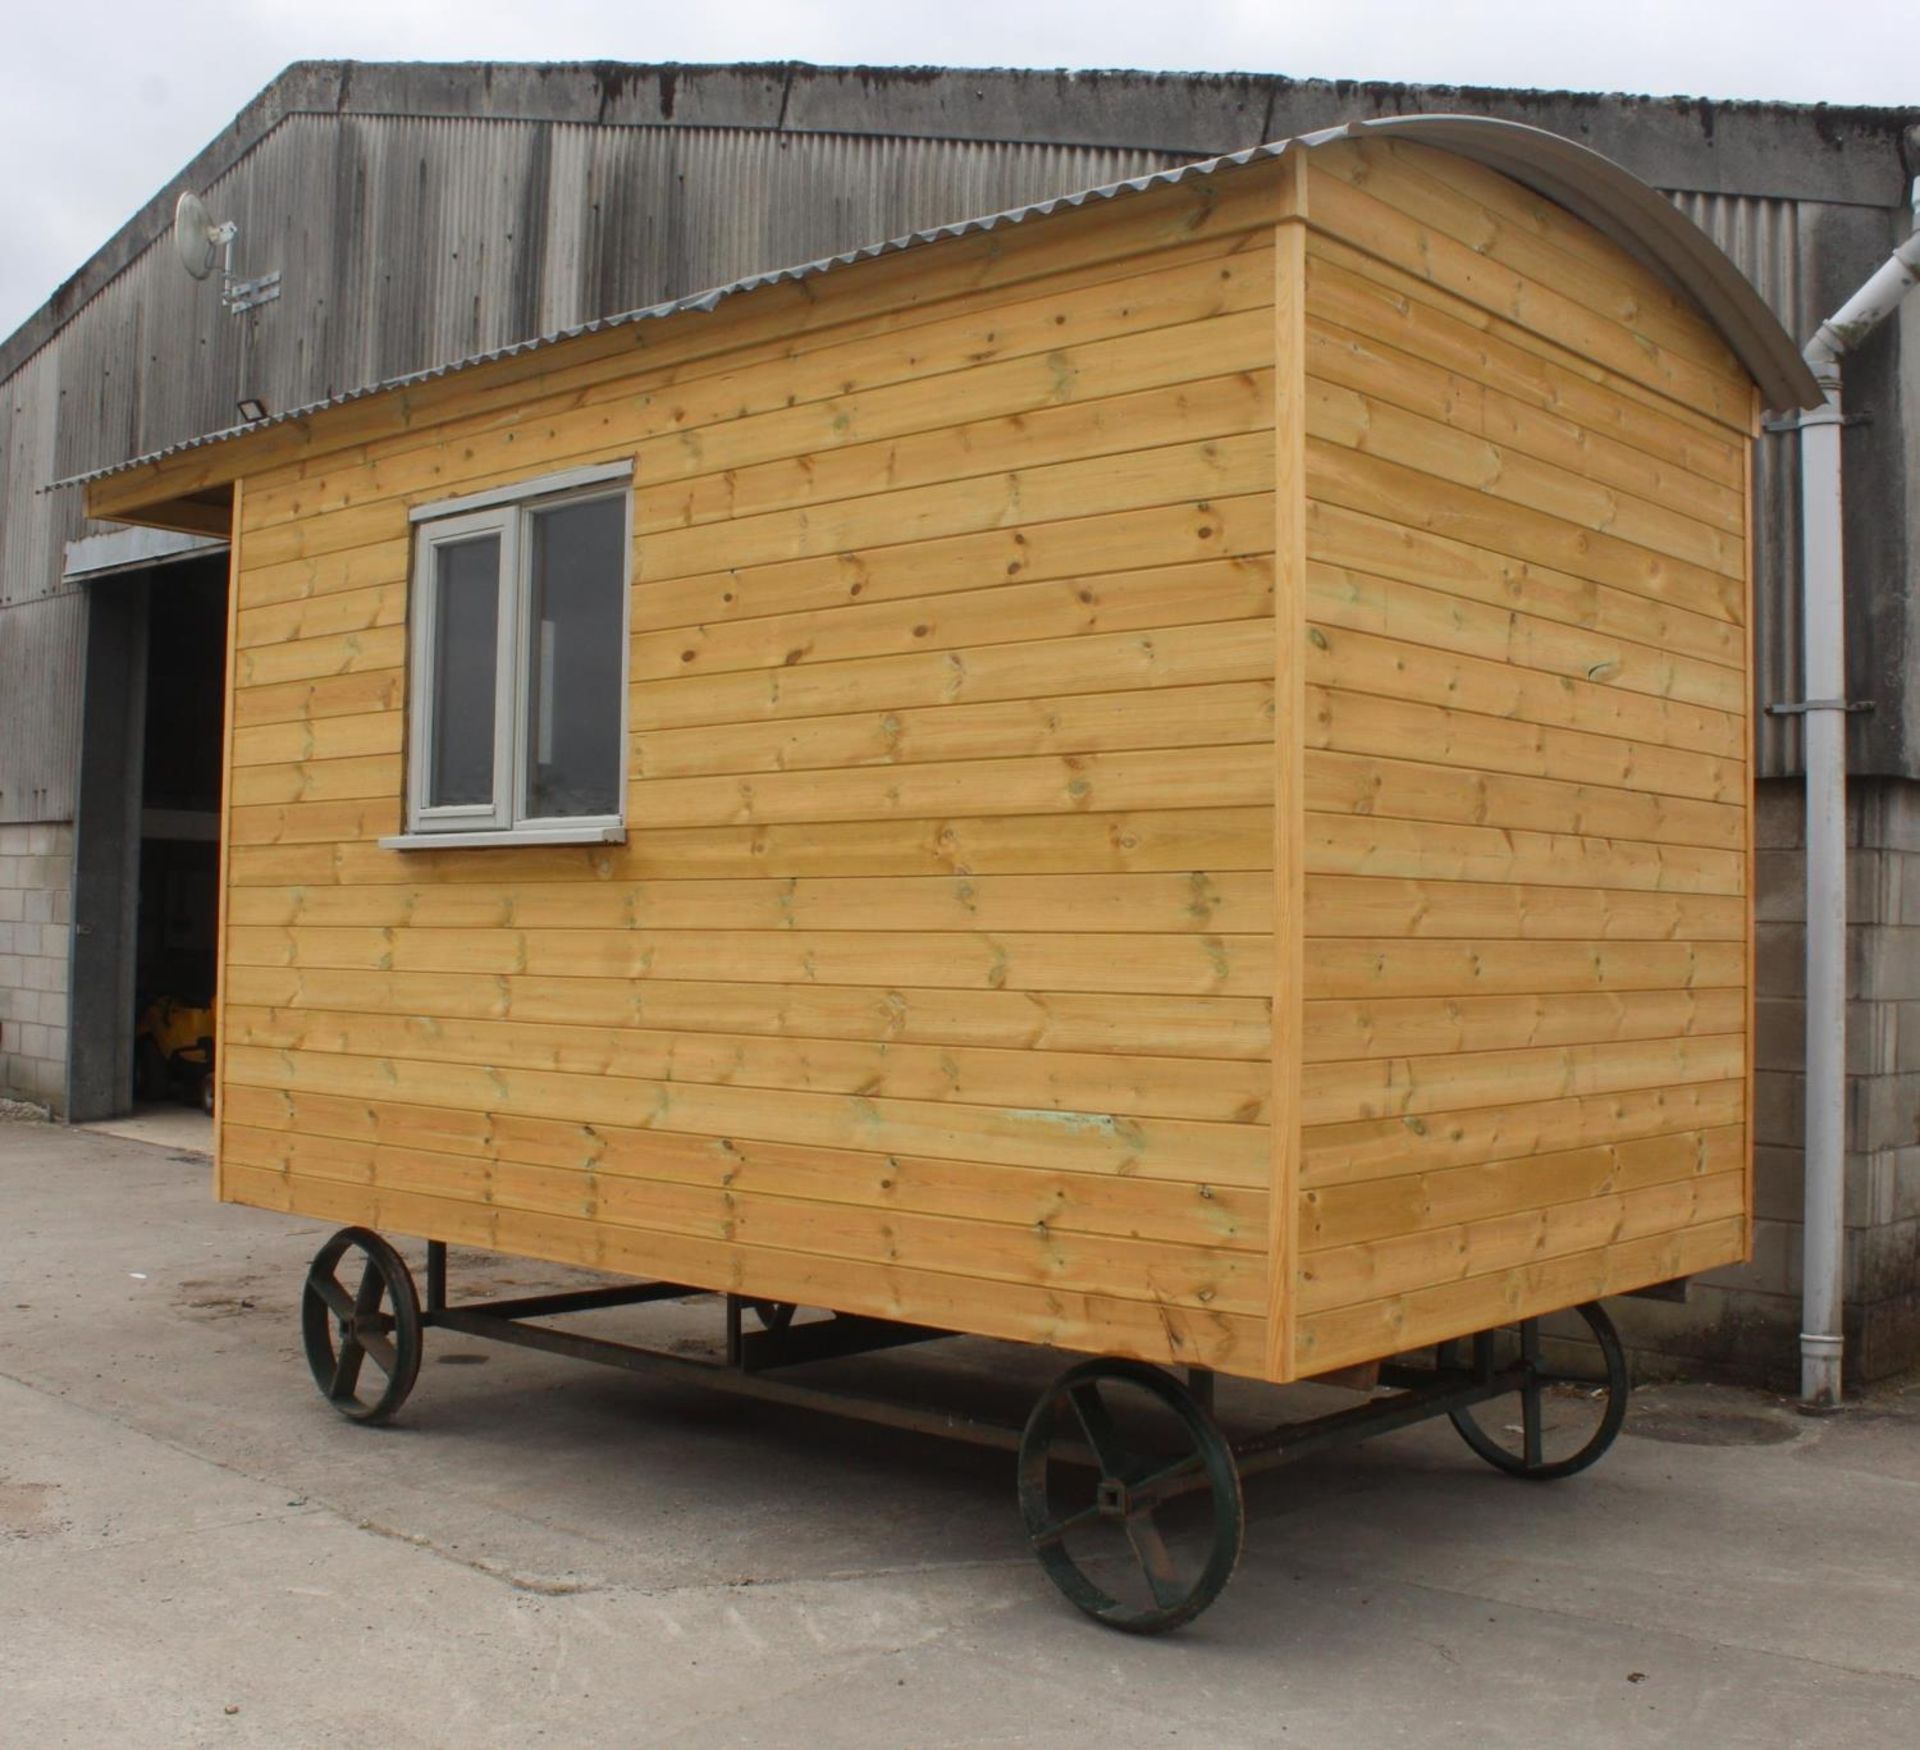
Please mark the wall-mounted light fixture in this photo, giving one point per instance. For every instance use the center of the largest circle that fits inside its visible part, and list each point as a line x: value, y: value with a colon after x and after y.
x: 252, y: 409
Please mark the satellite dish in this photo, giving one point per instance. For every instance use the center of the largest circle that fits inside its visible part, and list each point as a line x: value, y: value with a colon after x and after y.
x: 196, y: 235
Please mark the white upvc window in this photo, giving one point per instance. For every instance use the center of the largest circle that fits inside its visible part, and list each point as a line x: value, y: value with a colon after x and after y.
x: 517, y: 697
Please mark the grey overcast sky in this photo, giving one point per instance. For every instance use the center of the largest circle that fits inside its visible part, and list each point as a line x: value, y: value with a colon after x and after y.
x: 102, y: 101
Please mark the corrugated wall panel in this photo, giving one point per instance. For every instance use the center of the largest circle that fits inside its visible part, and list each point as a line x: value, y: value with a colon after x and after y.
x: 1763, y: 239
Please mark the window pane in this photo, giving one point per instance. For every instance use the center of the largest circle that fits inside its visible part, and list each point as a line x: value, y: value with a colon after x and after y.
x: 466, y: 634
x: 574, y: 659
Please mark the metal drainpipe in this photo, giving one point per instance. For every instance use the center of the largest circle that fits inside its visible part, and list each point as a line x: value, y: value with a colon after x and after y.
x: 1823, y: 608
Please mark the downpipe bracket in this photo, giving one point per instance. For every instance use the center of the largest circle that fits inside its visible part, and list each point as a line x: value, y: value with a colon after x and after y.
x: 1801, y: 707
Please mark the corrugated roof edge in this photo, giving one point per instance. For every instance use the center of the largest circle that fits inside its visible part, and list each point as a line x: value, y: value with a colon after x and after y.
x: 1592, y: 186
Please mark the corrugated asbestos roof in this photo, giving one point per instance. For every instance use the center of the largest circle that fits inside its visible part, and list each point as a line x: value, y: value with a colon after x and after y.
x: 1593, y: 187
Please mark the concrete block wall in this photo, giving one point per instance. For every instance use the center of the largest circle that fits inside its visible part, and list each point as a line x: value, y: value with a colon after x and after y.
x: 1746, y: 1321
x: 36, y: 930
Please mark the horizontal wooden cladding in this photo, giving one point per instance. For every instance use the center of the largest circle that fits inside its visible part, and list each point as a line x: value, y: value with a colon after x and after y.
x: 1074, y: 723
x: 1183, y: 627
x: 1188, y: 964
x: 316, y: 780
x: 1391, y: 729
x: 1338, y: 1093
x: 1152, y: 841
x: 1199, y: 902
x: 1387, y: 218
x: 1406, y: 1263
x: 1463, y: 429
x: 1202, y: 384
x: 1160, y: 779
x: 1167, y: 474
x: 1365, y: 844
x: 1501, y: 220
x: 1222, y: 1091
x: 781, y: 653
x: 1176, y: 1026
x: 1212, y: 777
x: 1227, y: 1278
x: 1375, y: 1210
x: 1345, y: 1335
x: 1338, y: 1029
x: 1054, y: 1314
x: 1060, y: 342
x: 1392, y: 966
x: 1364, y: 662
x: 1189, y: 1151
x: 375, y: 693
x: 1359, y: 602
x: 1072, y: 548
x: 1208, y: 380
x: 1361, y: 1151
x: 358, y: 610
x: 1432, y: 355
x: 1185, y: 1275
x: 1382, y: 487
x: 347, y: 571
x: 313, y: 823
x: 1376, y: 427
x: 1371, y: 546
x: 1401, y: 788
x: 311, y: 659
x: 1348, y: 906
x: 350, y: 735
x: 278, y: 1131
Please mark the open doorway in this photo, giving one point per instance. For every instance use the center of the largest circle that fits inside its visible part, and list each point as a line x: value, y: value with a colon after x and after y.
x: 146, y: 853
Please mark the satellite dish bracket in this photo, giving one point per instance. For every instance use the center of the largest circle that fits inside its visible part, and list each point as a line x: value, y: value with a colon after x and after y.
x: 197, y: 236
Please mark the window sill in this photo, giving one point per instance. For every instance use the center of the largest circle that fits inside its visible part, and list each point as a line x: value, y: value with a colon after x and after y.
x: 505, y: 838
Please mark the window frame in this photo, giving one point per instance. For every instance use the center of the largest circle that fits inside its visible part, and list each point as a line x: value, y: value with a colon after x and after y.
x: 505, y: 512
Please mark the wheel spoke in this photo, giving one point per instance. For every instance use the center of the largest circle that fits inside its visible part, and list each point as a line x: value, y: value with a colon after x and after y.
x: 1108, y: 1449
x: 380, y: 1351
x: 1154, y: 1487
x: 1048, y: 1535
x: 346, y: 1371
x: 1530, y: 1425
x: 372, y: 1286
x: 334, y: 1295
x: 1155, y: 1559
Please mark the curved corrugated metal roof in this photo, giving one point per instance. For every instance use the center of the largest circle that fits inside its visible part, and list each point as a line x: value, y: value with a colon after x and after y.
x: 1611, y: 199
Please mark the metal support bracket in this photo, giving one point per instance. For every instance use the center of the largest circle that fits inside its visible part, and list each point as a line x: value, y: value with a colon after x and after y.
x: 241, y: 296
x: 1800, y: 707
x: 1799, y: 421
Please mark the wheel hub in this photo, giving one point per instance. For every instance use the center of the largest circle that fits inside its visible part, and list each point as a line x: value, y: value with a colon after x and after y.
x: 1113, y: 1498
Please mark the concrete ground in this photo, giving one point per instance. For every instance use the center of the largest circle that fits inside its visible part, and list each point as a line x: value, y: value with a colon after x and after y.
x: 194, y: 1550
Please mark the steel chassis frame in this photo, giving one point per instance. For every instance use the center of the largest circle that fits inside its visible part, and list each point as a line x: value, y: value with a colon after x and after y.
x: 1418, y: 1393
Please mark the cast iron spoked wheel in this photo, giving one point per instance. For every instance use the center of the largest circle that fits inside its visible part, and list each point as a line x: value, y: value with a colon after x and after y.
x: 363, y: 1340
x: 1131, y: 1496
x: 774, y: 1315
x: 1558, y: 1422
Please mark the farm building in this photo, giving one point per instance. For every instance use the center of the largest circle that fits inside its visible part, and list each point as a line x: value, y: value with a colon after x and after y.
x: 627, y: 190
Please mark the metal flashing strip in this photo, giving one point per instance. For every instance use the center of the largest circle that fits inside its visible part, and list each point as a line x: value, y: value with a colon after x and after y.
x: 1593, y: 187
x: 133, y: 550
x: 524, y: 491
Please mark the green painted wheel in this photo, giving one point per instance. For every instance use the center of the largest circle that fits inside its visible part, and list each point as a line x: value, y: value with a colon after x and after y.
x: 1559, y: 1421
x: 377, y: 1320
x: 1131, y: 1496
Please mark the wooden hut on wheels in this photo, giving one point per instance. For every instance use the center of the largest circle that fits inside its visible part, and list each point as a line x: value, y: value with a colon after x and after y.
x: 1166, y: 774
